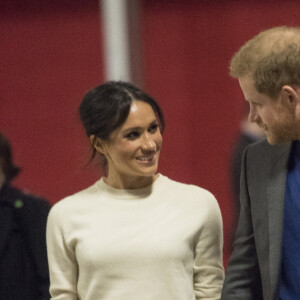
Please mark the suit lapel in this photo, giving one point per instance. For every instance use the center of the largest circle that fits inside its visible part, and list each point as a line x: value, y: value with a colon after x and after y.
x: 275, y: 196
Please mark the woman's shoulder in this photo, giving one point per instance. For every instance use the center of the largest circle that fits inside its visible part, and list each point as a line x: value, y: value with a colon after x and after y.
x: 190, y: 199
x: 183, y: 186
x: 78, y: 199
x: 186, y: 190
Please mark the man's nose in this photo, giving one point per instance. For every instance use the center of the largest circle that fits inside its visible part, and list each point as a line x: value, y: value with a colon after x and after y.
x: 253, y: 116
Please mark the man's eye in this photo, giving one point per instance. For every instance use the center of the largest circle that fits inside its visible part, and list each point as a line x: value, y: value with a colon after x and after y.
x: 256, y: 104
x: 153, y: 128
x: 132, y: 135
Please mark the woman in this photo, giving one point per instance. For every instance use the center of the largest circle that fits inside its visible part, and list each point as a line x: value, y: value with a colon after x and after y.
x: 134, y: 234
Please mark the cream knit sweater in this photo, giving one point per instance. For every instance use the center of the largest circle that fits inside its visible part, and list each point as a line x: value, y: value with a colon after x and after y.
x: 163, y: 242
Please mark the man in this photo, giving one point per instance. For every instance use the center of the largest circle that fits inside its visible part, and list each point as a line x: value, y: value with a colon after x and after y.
x: 23, y: 258
x: 265, y: 263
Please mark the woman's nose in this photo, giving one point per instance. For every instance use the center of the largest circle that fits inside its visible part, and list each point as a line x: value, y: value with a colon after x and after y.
x: 148, y: 143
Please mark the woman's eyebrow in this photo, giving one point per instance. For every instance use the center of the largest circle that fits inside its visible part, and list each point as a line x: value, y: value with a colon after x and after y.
x: 138, y: 127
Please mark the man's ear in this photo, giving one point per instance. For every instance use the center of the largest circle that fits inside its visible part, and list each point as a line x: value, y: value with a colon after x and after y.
x: 289, y: 96
x: 97, y: 143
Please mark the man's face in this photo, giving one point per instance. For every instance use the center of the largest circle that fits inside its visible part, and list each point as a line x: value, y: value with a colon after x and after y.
x: 270, y: 114
x: 2, y: 176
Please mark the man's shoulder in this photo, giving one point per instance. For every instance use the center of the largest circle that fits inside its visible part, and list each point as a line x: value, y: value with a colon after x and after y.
x: 21, y: 198
x: 261, y: 157
x: 263, y: 148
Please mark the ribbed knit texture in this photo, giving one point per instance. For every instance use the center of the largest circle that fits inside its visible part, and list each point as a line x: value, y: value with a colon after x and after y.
x: 290, y: 266
x: 163, y: 242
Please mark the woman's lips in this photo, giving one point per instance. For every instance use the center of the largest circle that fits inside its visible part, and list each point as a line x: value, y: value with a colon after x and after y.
x: 146, y: 158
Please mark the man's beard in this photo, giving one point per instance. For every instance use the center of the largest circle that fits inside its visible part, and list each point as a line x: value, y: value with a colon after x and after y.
x: 285, y: 131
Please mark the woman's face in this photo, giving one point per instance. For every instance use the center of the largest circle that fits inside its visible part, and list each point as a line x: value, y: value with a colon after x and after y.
x: 132, y: 150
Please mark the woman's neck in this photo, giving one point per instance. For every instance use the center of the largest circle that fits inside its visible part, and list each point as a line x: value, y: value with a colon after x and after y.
x: 130, y: 182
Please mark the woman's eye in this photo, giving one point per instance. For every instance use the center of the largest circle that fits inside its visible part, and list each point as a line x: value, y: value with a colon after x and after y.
x: 132, y: 135
x: 153, y: 128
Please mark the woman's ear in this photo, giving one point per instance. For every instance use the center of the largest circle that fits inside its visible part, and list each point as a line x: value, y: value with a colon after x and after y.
x: 97, y: 143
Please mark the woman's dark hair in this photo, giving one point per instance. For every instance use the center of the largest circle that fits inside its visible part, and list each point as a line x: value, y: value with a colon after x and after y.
x: 106, y: 107
x: 9, y: 168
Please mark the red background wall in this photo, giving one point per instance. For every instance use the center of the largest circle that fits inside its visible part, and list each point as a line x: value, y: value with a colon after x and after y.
x: 51, y: 54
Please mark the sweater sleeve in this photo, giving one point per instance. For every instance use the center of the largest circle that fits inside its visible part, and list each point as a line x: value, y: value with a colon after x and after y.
x: 208, y: 264
x: 61, y: 257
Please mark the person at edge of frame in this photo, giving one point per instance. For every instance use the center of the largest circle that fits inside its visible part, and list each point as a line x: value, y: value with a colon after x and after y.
x: 265, y: 262
x: 24, y: 273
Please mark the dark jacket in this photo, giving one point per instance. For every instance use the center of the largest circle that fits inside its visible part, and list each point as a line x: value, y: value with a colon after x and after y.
x: 24, y: 271
x: 253, y: 272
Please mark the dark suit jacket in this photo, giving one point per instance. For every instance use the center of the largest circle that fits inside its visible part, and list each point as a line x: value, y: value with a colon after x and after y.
x: 253, y: 271
x: 23, y: 258
x: 240, y: 145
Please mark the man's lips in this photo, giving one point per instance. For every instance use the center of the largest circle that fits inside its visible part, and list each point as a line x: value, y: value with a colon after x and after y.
x: 262, y: 126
